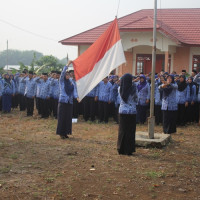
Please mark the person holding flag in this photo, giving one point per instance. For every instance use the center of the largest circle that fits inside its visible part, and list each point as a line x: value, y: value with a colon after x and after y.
x: 65, y: 105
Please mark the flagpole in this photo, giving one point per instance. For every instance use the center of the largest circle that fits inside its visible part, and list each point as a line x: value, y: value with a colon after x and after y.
x: 151, y: 119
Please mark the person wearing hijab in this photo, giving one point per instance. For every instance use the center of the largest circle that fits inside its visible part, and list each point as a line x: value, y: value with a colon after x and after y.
x: 190, y: 111
x: 143, y: 99
x: 127, y: 115
x: 169, y: 104
x: 7, y: 93
x: 65, y: 105
x: 197, y: 106
x: 158, y: 100
x: 183, y: 94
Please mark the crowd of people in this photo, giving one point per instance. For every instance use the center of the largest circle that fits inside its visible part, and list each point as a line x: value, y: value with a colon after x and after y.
x: 178, y: 104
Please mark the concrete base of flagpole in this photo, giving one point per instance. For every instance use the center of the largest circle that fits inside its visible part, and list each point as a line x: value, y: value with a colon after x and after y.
x: 160, y: 140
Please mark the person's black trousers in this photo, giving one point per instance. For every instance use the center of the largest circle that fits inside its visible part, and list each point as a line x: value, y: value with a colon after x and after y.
x: 103, y: 111
x: 30, y: 106
x: 169, y: 121
x: 158, y: 114
x: 89, y: 108
x: 51, y: 105
x: 22, y: 102
x: 38, y: 105
x: 44, y: 103
x: 75, y: 108
x: 55, y: 107
x: 112, y: 111
x: 181, y: 118
x: 190, y: 113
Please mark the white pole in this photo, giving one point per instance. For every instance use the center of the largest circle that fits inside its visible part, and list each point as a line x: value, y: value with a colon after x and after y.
x: 151, y: 119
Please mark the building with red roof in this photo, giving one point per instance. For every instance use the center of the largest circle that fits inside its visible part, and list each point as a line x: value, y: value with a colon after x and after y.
x: 178, y: 40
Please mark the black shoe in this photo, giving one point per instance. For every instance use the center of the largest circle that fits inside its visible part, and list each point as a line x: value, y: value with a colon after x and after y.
x: 62, y: 137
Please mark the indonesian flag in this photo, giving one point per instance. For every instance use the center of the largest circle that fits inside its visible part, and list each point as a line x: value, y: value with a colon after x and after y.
x: 99, y: 60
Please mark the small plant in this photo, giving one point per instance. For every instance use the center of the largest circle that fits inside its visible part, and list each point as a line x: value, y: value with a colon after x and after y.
x: 153, y: 174
x: 14, y: 156
x: 49, y: 179
x: 5, y: 170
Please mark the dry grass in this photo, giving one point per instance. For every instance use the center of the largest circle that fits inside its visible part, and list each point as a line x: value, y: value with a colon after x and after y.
x: 36, y: 164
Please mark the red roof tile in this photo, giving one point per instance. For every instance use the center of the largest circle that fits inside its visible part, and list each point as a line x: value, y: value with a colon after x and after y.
x: 181, y: 25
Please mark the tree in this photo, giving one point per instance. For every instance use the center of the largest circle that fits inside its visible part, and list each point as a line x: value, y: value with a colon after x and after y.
x: 48, y: 63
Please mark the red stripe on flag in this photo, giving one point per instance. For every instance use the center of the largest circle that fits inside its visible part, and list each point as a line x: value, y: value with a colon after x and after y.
x: 85, y: 63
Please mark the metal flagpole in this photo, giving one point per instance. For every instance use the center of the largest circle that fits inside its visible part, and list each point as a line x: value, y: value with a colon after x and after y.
x: 151, y: 119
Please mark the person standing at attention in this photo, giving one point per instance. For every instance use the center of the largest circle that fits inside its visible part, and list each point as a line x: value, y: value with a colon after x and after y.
x: 169, y: 104
x: 127, y: 115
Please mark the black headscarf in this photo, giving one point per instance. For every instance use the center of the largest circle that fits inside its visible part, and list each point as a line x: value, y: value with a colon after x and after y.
x: 69, y: 87
x: 167, y: 91
x: 191, y: 85
x: 127, y: 87
x: 182, y: 85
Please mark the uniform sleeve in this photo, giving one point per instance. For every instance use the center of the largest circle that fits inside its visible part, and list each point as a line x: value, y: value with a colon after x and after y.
x: 110, y: 93
x: 97, y: 90
x: 13, y: 88
x: 194, y: 88
x: 75, y: 92
x: 1, y: 88
x: 148, y: 92
x: 62, y: 76
x: 187, y: 93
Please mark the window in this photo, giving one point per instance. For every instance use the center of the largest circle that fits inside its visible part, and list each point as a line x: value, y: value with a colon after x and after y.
x: 196, y: 63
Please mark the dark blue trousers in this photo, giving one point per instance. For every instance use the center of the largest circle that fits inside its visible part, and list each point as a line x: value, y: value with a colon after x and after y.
x: 6, y: 102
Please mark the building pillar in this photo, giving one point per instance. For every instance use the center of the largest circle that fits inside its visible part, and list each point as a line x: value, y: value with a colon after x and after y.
x: 166, y: 61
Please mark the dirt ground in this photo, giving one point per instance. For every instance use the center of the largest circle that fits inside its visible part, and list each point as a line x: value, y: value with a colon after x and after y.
x: 36, y: 164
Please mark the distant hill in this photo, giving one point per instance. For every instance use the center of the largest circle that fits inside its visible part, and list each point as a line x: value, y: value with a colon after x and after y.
x: 16, y: 56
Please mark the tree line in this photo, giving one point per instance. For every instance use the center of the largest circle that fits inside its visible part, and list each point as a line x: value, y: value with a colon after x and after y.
x: 31, y: 60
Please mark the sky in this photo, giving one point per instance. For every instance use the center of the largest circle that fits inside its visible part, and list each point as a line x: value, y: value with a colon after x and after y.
x: 55, y: 20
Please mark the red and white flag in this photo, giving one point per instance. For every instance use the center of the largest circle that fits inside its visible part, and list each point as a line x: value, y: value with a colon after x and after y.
x: 99, y: 60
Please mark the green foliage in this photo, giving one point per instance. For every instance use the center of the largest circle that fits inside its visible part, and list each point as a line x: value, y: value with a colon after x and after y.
x: 48, y: 63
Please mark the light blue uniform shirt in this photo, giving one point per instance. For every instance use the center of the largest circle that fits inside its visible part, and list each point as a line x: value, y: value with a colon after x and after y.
x: 157, y: 95
x: 183, y: 96
x: 93, y: 92
x: 55, y: 88
x: 8, y: 88
x: 44, y: 88
x: 63, y: 97
x: 143, y: 95
x: 170, y: 102
x: 1, y: 88
x: 30, y: 87
x: 129, y: 107
x: 192, y: 97
x: 104, y: 91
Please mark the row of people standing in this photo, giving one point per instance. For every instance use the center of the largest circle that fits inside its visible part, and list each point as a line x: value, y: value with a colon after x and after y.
x: 103, y: 101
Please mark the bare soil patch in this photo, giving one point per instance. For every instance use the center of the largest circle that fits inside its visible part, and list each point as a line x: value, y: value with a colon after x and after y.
x: 36, y: 164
